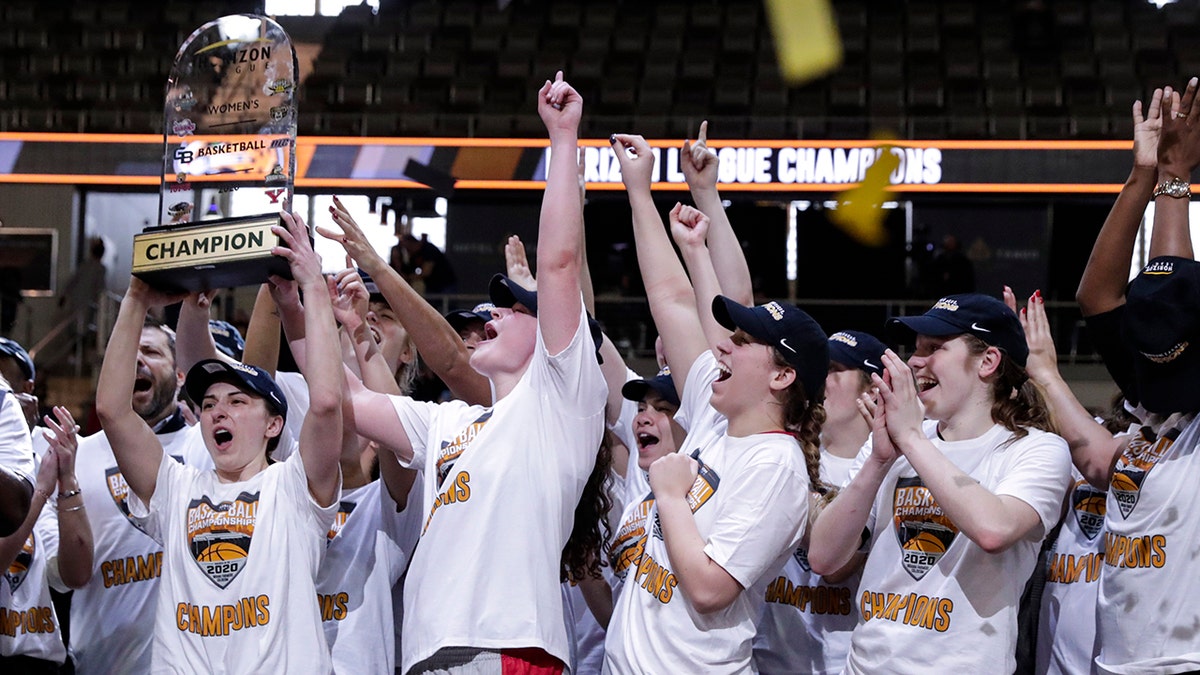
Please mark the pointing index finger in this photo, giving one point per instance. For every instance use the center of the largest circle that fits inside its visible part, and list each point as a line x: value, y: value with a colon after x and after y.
x: 702, y: 137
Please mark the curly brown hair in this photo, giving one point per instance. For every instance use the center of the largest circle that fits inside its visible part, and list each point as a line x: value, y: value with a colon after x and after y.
x: 581, y: 557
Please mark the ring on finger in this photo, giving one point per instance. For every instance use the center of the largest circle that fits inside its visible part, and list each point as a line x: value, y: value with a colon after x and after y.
x: 1179, y: 115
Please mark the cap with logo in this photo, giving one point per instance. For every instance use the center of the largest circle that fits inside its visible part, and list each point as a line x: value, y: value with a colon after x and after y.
x: 1162, y: 319
x: 251, y: 379
x: 17, y: 352
x: 507, y: 293
x: 227, y: 338
x: 787, y: 328
x: 975, y: 314
x: 856, y: 349
x: 461, y: 318
x: 661, y: 384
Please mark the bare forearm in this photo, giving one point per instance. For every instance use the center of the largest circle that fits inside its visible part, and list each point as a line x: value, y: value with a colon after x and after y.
x: 75, y: 547
x: 728, y: 259
x: 11, y: 545
x: 1094, y: 451
x: 981, y: 515
x: 262, y: 336
x: 701, y: 265
x: 193, y: 341
x: 1102, y: 286
x: 838, y: 531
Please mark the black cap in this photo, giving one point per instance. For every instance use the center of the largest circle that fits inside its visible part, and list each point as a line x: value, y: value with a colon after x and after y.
x: 252, y: 379
x: 856, y: 349
x: 14, y: 349
x: 227, y: 338
x: 1162, y: 319
x: 975, y: 314
x: 663, y: 385
x: 461, y: 318
x: 787, y: 328
x: 506, y: 293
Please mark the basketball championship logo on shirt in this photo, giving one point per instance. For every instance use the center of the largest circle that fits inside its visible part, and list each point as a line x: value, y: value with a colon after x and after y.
x: 1140, y: 456
x: 219, y: 535
x: 1089, y: 505
x: 703, y: 488
x: 118, y: 489
x: 339, y: 520
x: 801, y: 556
x: 452, y: 449
x: 923, y: 530
x: 19, y: 569
x: 630, y: 538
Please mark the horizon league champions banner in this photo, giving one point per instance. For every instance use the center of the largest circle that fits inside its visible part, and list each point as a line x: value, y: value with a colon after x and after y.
x: 230, y: 124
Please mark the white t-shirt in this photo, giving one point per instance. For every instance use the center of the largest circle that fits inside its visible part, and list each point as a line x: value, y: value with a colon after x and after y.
x: 295, y: 390
x: 16, y: 453
x: 750, y: 502
x: 806, y: 622
x: 929, y: 595
x: 1148, y: 617
x: 1067, y: 620
x: 239, y: 568
x: 109, y: 630
x: 501, y: 485
x: 584, y: 634
x: 369, y: 545
x: 28, y: 623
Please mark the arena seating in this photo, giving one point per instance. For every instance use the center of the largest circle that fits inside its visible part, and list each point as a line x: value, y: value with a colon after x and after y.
x: 917, y: 69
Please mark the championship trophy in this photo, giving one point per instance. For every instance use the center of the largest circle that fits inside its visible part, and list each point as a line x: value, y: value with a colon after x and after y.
x: 229, y: 157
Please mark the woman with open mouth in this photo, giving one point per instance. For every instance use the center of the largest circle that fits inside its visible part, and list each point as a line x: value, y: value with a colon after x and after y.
x: 241, y: 542
x: 963, y: 480
x: 727, y: 507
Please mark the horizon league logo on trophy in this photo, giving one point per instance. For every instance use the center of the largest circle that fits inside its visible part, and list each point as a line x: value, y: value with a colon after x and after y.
x: 229, y: 157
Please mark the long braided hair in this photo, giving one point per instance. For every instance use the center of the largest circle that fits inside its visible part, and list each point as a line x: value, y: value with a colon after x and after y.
x: 803, y: 417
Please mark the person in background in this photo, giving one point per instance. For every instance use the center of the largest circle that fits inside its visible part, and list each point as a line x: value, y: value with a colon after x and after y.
x: 31, y: 640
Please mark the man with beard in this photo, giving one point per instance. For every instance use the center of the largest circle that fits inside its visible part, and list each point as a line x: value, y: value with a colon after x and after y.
x: 110, y: 631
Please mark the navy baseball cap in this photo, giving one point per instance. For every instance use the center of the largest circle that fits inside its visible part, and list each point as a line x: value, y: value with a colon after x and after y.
x: 251, y: 379
x: 461, y: 318
x: 14, y: 349
x: 975, y: 314
x: 856, y: 349
x: 505, y: 293
x: 227, y: 338
x: 1162, y: 319
x: 663, y: 385
x: 787, y: 328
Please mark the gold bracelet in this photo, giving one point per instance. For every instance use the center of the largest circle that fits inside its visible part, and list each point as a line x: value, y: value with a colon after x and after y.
x: 73, y: 508
x: 68, y: 495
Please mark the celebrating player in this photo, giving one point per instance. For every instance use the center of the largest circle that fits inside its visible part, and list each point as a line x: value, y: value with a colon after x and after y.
x: 241, y: 543
x: 955, y: 506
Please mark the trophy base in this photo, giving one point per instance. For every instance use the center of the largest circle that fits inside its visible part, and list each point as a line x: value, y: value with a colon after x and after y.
x: 209, y: 254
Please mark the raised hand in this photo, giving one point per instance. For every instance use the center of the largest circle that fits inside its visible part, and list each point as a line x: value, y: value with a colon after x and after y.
x: 636, y: 160
x: 63, y: 436
x: 1042, y: 363
x: 698, y: 162
x: 898, y: 390
x: 1146, y: 131
x: 1179, y: 140
x: 349, y: 297
x: 883, y: 450
x: 517, y: 264
x: 689, y: 227
x: 302, y: 259
x: 151, y: 296
x: 559, y: 106
x: 673, y: 475
x: 352, y: 239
